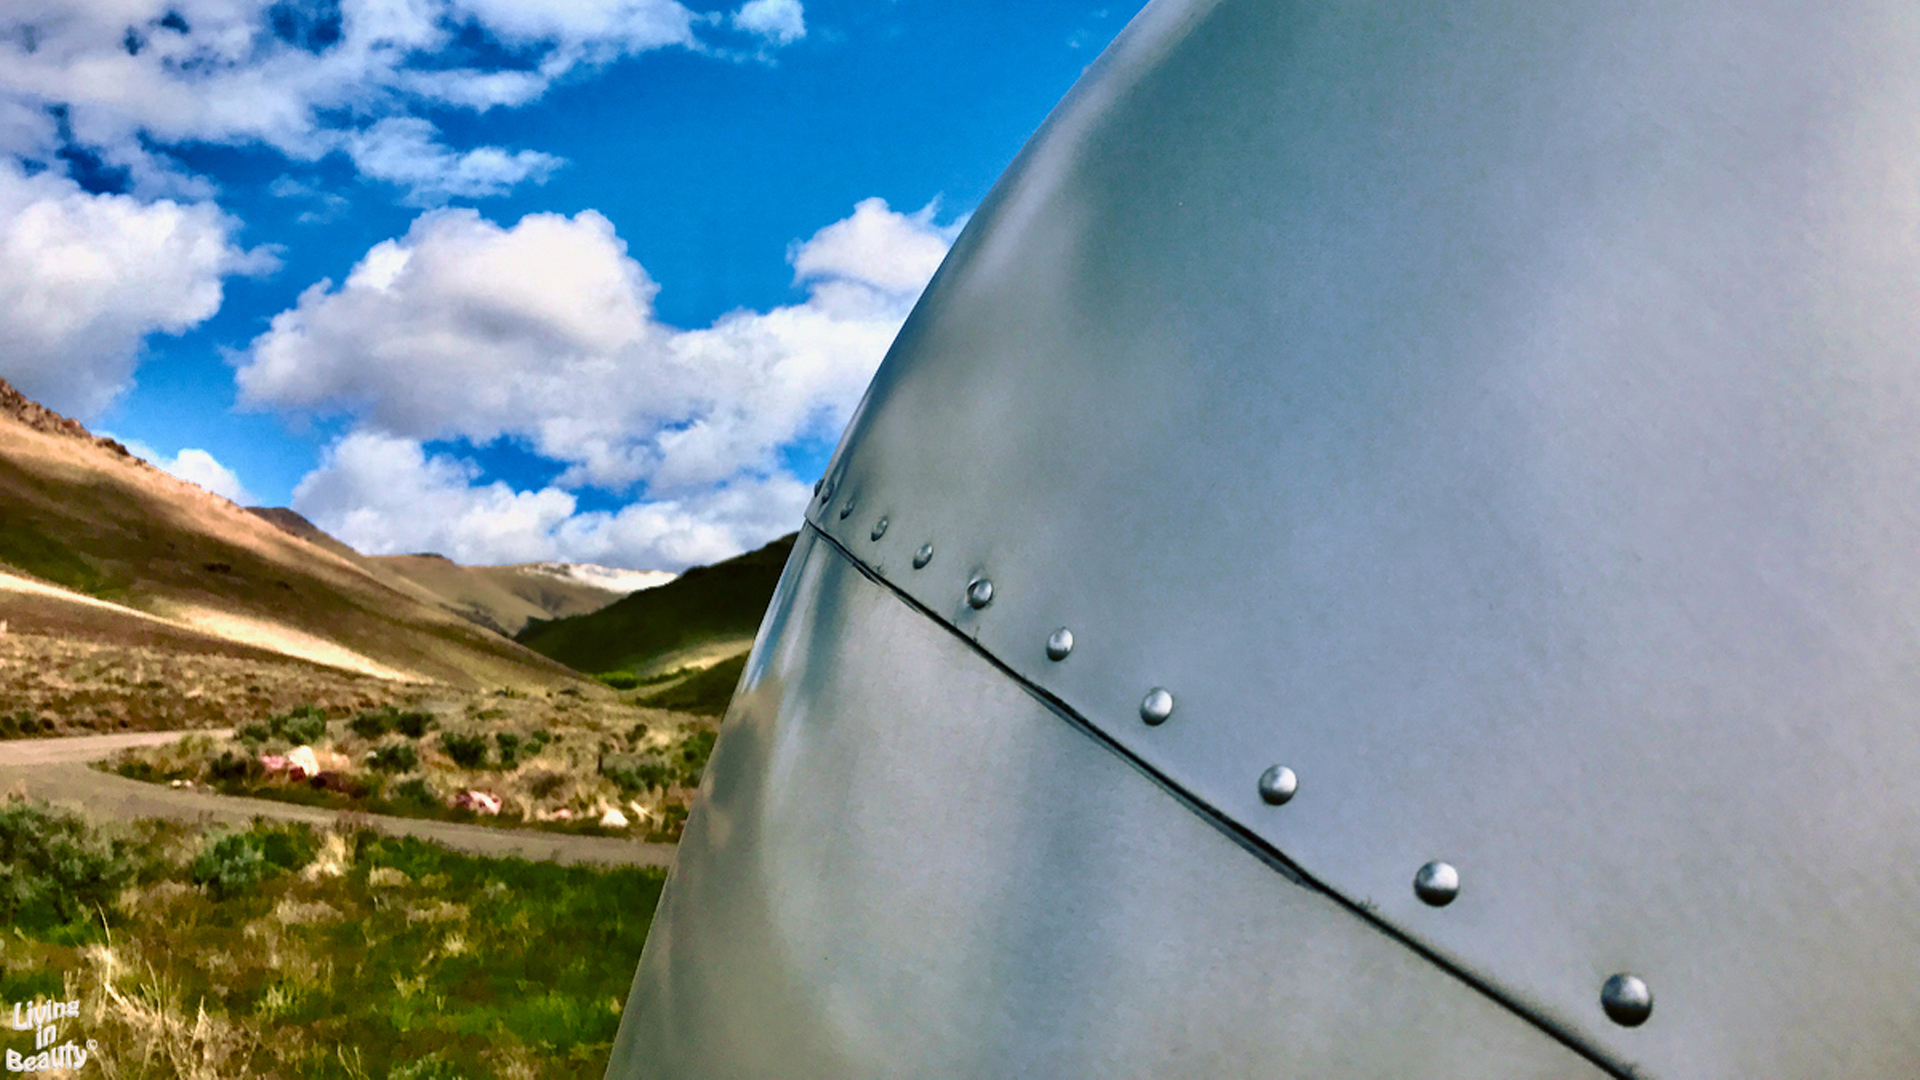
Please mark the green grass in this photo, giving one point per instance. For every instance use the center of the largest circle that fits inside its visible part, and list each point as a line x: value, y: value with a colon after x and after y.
x: 707, y: 603
x: 23, y: 543
x: 347, y: 955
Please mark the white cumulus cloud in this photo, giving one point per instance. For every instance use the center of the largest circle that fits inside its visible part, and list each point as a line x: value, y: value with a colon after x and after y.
x: 407, y: 151
x: 383, y: 495
x: 386, y: 495
x: 781, y: 22
x: 85, y: 278
x: 195, y: 466
x: 544, y: 332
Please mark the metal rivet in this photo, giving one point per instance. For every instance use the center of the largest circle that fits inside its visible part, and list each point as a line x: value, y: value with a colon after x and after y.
x: 1627, y: 1000
x: 817, y: 483
x: 1278, y: 784
x: 1059, y: 644
x: 1157, y: 705
x: 880, y: 528
x: 922, y: 557
x: 979, y: 592
x: 1437, y: 883
x: 846, y: 508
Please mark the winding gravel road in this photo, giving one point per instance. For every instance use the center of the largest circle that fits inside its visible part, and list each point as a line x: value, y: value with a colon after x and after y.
x: 56, y: 770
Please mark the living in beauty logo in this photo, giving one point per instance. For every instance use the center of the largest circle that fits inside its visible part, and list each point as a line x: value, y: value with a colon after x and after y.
x: 48, y: 1052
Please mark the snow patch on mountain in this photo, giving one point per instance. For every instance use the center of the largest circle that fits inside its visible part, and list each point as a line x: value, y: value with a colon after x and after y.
x: 611, y: 578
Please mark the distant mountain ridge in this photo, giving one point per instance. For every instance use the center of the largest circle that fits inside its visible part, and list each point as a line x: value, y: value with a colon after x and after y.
x: 501, y: 598
x: 96, y: 542
x: 707, y: 614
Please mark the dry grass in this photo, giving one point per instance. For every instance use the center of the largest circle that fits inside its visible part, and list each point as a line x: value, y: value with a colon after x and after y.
x: 396, y: 959
x: 576, y: 757
x: 79, y: 685
x: 144, y: 1027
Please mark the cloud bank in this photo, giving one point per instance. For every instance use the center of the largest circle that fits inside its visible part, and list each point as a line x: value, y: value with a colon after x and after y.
x: 105, y: 237
x: 309, y: 79
x: 545, y: 332
x: 86, y: 277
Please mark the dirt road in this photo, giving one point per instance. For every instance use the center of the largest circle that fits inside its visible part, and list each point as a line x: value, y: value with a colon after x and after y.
x: 56, y: 770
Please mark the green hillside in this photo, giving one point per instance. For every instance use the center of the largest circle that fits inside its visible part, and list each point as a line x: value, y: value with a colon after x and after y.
x: 706, y: 692
x: 706, y: 605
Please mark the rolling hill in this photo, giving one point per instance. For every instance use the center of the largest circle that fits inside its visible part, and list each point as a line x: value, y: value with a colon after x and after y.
x: 707, y: 615
x: 106, y: 544
x: 501, y: 598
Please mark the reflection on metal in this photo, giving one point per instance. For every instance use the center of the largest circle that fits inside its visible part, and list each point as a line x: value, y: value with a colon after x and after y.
x: 1538, y: 387
x: 1627, y: 1000
x: 840, y: 910
x: 1059, y: 644
x: 979, y: 593
x: 879, y: 528
x: 1436, y: 884
x: 846, y: 508
x: 1277, y: 785
x: 922, y: 557
x: 1530, y: 455
x: 1156, y: 706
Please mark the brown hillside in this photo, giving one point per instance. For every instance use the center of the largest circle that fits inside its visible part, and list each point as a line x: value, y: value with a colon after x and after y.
x: 501, y: 598
x: 78, y: 512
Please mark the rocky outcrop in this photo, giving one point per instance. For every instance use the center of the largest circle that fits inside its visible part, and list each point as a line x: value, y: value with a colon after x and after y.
x: 27, y: 411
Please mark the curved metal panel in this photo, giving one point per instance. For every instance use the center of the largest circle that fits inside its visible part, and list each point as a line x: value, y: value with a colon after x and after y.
x: 1507, y: 417
x: 902, y: 864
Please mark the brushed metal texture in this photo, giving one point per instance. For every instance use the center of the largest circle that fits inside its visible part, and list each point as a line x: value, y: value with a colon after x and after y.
x: 903, y: 864
x: 1508, y: 415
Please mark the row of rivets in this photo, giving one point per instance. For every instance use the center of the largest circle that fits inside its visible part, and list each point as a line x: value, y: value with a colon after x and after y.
x: 1626, y: 999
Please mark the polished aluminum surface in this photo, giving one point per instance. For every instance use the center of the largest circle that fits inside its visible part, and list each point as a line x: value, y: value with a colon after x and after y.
x: 879, y: 528
x: 1277, y: 785
x: 1436, y: 884
x: 1060, y: 644
x: 922, y: 557
x: 979, y: 593
x: 1627, y: 1000
x: 841, y: 910
x: 1156, y: 706
x: 1511, y: 410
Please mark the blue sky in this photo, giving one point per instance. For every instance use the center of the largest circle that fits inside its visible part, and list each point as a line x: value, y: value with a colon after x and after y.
x: 595, y: 280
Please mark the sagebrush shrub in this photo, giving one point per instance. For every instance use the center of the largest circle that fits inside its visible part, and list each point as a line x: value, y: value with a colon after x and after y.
x: 414, y: 789
x: 235, y: 861
x: 54, y: 868
x: 396, y: 758
x: 509, y: 745
x: 467, y: 751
